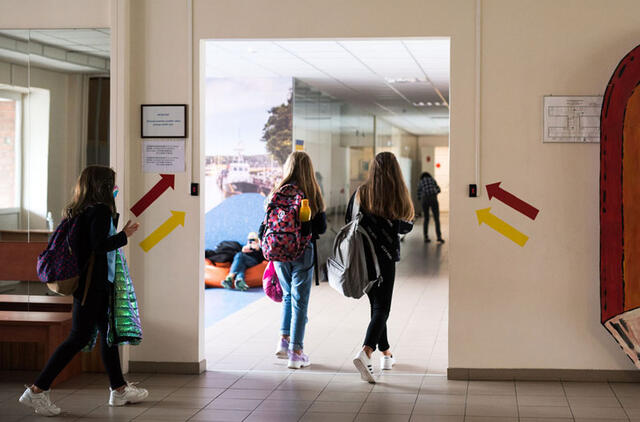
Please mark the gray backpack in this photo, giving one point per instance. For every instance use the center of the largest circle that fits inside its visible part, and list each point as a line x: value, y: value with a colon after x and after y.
x: 347, y: 269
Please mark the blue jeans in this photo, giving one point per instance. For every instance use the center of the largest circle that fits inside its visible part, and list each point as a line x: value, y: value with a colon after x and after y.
x: 242, y: 261
x: 295, y: 279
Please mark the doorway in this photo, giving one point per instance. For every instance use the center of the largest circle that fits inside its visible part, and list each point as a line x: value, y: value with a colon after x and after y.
x: 341, y: 101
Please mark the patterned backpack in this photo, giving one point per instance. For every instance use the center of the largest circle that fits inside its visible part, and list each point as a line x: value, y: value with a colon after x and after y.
x: 282, y: 240
x: 58, y: 264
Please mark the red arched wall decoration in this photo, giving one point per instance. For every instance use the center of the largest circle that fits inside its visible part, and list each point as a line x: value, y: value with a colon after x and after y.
x: 620, y: 206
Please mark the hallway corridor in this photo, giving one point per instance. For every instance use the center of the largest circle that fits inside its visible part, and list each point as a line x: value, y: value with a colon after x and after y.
x: 417, y: 324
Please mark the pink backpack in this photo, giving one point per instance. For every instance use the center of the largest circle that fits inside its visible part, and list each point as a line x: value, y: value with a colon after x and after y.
x: 271, y: 284
x: 282, y: 240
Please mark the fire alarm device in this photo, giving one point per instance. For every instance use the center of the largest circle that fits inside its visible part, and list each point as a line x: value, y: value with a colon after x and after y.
x: 473, y: 191
x: 195, y: 189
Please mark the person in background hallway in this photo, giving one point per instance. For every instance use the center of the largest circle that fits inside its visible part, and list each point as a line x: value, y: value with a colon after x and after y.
x: 250, y: 256
x: 295, y: 277
x: 428, y: 191
x: 94, y: 207
x: 387, y: 212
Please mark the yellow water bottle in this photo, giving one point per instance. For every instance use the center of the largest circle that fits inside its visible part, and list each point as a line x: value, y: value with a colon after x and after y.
x: 305, y: 211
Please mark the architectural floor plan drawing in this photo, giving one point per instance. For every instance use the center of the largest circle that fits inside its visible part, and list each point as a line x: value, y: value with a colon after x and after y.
x: 572, y: 119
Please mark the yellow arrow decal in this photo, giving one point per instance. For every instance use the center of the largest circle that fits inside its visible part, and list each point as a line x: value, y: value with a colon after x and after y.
x: 485, y: 216
x: 177, y: 218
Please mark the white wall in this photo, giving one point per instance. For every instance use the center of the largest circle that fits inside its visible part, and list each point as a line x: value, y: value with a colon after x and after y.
x: 510, y: 307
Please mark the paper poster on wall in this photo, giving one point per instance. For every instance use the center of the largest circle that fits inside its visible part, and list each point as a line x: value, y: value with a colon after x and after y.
x: 572, y: 118
x: 163, y: 120
x: 161, y: 156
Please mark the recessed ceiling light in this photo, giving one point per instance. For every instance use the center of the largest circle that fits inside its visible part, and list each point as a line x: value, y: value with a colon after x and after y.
x: 403, y: 80
x: 437, y: 104
x: 420, y: 104
x: 429, y: 103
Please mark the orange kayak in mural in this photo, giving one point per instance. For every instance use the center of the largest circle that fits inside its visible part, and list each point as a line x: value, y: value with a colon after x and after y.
x: 214, y: 273
x: 620, y: 206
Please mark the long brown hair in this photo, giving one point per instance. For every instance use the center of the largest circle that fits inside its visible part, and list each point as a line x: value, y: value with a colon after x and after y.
x: 94, y: 186
x: 384, y: 193
x: 298, y: 170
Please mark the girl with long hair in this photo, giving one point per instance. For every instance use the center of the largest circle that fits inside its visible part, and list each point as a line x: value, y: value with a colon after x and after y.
x: 388, y: 212
x: 93, y: 207
x: 295, y: 276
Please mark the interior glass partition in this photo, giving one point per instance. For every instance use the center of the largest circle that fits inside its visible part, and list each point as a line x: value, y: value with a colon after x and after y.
x: 45, y: 119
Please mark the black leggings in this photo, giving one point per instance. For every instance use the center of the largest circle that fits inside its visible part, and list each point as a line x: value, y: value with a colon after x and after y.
x: 380, y: 300
x: 431, y: 202
x: 85, y: 319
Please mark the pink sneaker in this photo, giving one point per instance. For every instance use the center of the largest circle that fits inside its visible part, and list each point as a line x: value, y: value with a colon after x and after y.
x: 282, y: 352
x: 297, y: 361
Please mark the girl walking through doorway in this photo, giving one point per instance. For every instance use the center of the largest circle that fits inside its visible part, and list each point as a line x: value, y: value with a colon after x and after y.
x: 387, y: 213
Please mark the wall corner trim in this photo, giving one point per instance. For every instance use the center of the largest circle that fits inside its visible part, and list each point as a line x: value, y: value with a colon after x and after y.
x: 190, y: 368
x: 514, y: 374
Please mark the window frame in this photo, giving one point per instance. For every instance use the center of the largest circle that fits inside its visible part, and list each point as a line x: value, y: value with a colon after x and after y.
x: 18, y: 97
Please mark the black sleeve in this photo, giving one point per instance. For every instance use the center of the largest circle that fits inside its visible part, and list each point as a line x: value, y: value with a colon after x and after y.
x: 404, y: 227
x: 99, y: 225
x: 316, y: 226
x: 319, y: 223
x: 347, y: 217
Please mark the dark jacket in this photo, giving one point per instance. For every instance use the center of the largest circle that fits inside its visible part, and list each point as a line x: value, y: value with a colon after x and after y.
x: 93, y: 237
x: 383, y: 232
x: 316, y: 226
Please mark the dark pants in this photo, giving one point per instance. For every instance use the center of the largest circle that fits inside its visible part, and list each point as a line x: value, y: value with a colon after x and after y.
x: 431, y: 202
x: 85, y: 319
x: 380, y: 300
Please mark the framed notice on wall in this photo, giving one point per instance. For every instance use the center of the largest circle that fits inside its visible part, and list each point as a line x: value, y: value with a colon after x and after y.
x: 163, y: 120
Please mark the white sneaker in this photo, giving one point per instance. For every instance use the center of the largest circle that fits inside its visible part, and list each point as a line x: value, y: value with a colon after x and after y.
x: 364, y: 365
x: 387, y: 362
x: 131, y: 394
x: 40, y: 402
x: 283, y: 349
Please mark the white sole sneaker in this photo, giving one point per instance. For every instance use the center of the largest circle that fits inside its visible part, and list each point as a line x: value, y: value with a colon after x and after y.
x: 131, y: 394
x: 387, y: 362
x: 364, y: 365
x: 40, y: 403
x: 296, y: 364
x: 282, y: 350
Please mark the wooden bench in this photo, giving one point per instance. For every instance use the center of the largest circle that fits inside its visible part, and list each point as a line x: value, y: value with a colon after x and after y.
x: 18, y: 262
x: 47, y: 329
x: 36, y: 303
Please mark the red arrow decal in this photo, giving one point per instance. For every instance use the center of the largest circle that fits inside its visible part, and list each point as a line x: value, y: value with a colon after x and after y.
x: 494, y: 190
x: 167, y: 181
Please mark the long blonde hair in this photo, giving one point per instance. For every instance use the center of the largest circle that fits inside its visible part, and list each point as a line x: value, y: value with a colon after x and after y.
x: 94, y: 186
x: 384, y: 193
x: 298, y: 170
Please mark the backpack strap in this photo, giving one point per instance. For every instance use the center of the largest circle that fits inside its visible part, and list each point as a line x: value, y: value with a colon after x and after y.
x: 374, y: 258
x: 315, y: 260
x: 87, y: 280
x: 355, y: 209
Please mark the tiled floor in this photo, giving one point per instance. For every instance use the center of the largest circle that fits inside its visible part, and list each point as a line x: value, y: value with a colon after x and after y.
x: 246, y: 383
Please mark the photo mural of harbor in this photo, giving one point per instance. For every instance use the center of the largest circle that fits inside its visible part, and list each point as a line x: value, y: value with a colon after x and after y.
x: 248, y: 137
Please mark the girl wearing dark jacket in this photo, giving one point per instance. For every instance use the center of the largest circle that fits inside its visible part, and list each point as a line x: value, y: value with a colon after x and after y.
x: 387, y: 212
x: 94, y: 208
